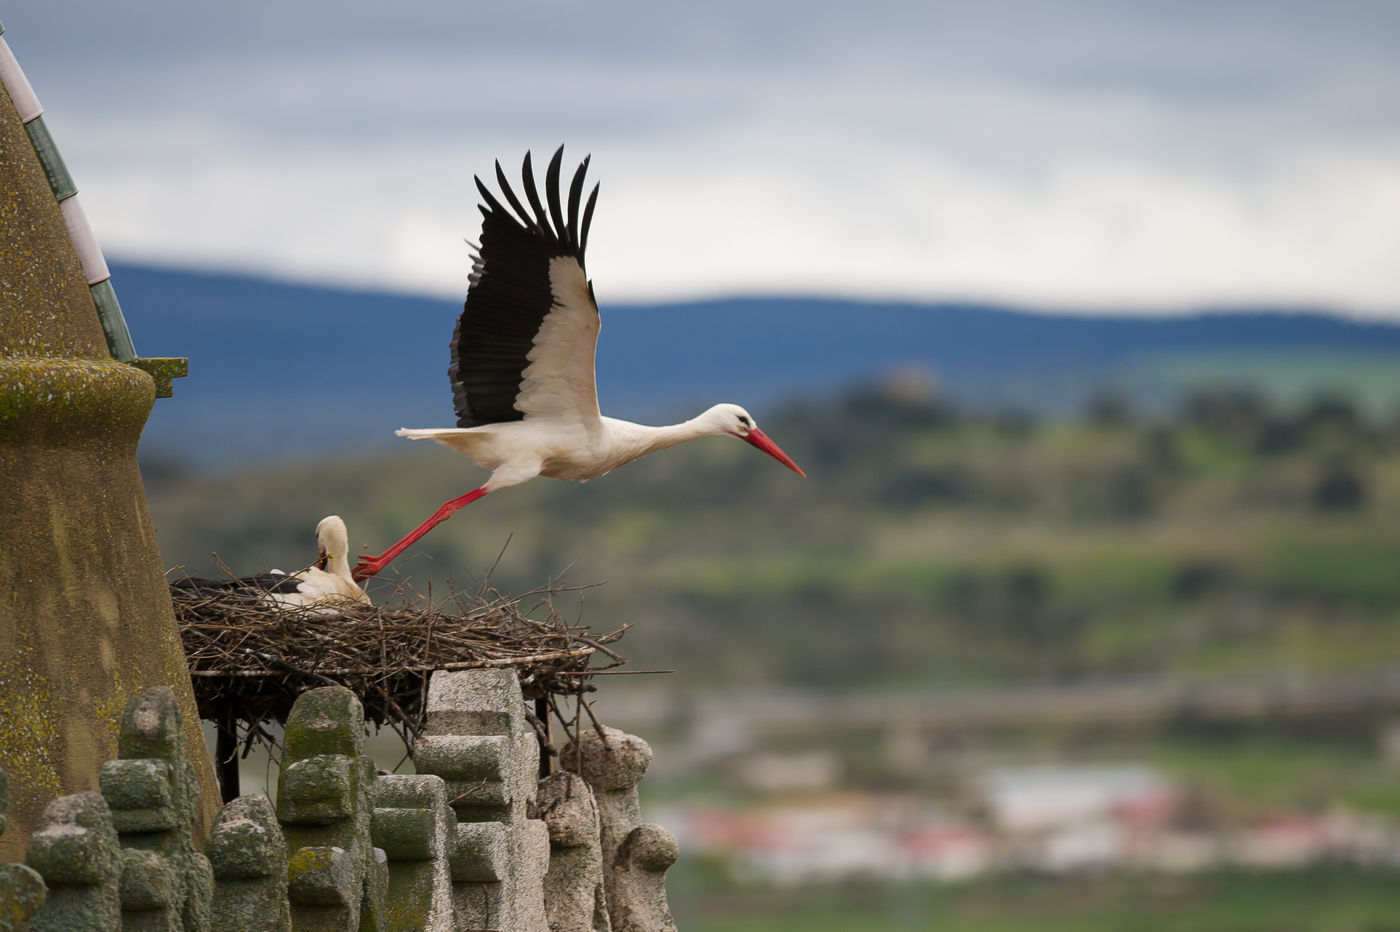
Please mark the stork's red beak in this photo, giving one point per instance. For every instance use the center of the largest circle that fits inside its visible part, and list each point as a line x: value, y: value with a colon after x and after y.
x: 759, y: 439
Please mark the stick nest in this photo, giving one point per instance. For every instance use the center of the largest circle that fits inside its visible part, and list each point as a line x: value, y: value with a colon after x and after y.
x: 249, y: 661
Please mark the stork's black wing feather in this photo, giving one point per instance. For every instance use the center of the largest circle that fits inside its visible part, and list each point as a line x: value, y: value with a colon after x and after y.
x: 510, y: 292
x: 242, y: 588
x: 575, y: 189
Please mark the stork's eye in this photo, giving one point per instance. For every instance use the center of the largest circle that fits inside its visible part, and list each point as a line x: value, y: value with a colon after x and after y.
x: 745, y: 421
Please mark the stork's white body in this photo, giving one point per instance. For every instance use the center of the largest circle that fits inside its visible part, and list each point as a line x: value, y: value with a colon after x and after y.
x: 517, y: 451
x: 328, y: 582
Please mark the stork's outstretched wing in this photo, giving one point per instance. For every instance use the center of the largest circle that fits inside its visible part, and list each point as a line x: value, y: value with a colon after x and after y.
x: 524, y: 344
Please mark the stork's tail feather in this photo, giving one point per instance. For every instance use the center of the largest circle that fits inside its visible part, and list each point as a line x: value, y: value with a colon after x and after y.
x: 434, y: 433
x: 463, y: 439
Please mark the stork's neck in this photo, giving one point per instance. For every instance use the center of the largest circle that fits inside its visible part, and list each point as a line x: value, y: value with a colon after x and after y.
x: 338, y: 563
x: 632, y: 441
x: 338, y: 560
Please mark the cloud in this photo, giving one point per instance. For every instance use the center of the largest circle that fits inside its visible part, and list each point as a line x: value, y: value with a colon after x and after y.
x: 1078, y: 154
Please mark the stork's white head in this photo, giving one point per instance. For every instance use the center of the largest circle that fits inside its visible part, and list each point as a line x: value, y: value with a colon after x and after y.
x: 332, y: 539
x: 735, y: 421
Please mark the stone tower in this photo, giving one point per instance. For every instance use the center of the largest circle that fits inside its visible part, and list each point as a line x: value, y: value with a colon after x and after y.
x: 85, y: 619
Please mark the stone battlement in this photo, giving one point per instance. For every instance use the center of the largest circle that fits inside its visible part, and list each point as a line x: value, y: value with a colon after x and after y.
x: 474, y: 841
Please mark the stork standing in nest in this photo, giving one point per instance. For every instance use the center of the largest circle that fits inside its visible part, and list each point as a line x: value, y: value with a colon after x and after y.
x: 523, y: 354
x: 329, y: 581
x: 319, y: 587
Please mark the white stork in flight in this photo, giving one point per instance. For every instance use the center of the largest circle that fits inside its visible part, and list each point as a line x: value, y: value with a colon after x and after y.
x: 522, y: 359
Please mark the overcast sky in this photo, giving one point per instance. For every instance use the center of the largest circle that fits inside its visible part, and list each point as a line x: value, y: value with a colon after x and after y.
x: 1090, y: 155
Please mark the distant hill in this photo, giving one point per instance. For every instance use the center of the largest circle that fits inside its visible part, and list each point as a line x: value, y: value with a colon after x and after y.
x: 280, y: 370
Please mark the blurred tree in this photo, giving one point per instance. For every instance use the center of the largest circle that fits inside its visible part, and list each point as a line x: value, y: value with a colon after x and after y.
x: 1130, y: 492
x: 927, y: 485
x: 1023, y: 609
x: 1027, y: 589
x: 1159, y: 445
x: 163, y: 471
x: 963, y: 594
x: 1333, y: 422
x: 1109, y: 407
x: 1235, y: 412
x: 1339, y: 485
x: 1014, y: 423
x: 1280, y: 435
x: 1199, y: 576
x: 892, y: 406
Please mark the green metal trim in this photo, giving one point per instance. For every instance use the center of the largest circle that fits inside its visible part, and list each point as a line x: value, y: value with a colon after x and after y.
x: 163, y: 369
x: 109, y: 311
x: 60, y: 181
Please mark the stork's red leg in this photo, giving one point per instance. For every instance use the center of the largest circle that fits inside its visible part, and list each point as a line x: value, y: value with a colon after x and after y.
x: 369, y: 566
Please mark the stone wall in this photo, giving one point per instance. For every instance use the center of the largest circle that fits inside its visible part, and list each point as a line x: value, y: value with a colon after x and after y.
x: 474, y: 841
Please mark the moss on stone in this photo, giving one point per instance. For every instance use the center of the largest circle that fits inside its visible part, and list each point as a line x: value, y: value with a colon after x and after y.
x: 322, y: 875
x: 22, y: 892
x: 247, y: 853
x: 163, y: 369
x: 46, y: 308
x: 72, y: 400
x: 329, y: 720
x: 86, y: 623
x: 29, y: 733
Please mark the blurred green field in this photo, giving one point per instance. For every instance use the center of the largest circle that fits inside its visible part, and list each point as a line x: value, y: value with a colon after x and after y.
x: 1288, y: 378
x: 1312, y: 901
x: 1231, y: 535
